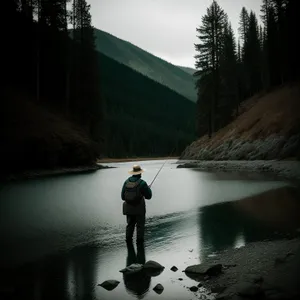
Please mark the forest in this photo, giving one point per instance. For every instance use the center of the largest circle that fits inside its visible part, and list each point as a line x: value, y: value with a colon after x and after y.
x: 229, y: 69
x: 50, y: 57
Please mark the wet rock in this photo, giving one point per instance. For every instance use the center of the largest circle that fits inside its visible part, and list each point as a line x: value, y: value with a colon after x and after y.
x: 153, y: 268
x: 200, y: 285
x: 158, y: 288
x: 206, y: 278
x: 134, y: 268
x: 109, y: 284
x: 193, y: 289
x: 174, y: 269
x: 247, y: 289
x: 218, y: 289
x: 153, y: 265
x: 202, y: 297
x: 205, y: 269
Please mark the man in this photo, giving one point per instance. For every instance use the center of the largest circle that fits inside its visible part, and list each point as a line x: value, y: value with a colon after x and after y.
x: 134, y: 192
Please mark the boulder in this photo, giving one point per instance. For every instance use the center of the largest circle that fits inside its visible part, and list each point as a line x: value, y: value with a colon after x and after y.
x: 158, y: 288
x: 205, y: 269
x: 109, y: 284
x: 133, y: 268
x: 174, y: 269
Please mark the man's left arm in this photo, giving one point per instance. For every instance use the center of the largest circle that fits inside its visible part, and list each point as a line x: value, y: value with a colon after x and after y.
x: 146, y: 191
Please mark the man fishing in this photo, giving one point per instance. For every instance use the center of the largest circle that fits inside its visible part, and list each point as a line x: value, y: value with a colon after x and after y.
x: 134, y: 192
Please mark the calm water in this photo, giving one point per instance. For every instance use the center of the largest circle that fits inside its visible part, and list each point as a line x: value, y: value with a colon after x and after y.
x: 69, y: 231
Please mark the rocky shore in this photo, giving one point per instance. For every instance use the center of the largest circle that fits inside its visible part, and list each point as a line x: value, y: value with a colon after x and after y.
x: 285, y: 169
x: 267, y: 270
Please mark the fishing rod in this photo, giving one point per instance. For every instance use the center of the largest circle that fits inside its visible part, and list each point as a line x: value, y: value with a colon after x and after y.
x: 161, y: 168
x: 165, y: 162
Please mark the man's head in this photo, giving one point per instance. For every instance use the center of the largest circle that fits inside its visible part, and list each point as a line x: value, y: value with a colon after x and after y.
x: 136, y: 170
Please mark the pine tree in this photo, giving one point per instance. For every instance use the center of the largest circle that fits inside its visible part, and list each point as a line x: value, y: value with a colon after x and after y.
x: 208, y: 59
x: 243, y: 28
x: 252, y: 56
x: 228, y: 71
x: 88, y: 104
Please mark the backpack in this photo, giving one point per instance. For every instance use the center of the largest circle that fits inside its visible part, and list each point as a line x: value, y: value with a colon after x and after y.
x: 132, y: 193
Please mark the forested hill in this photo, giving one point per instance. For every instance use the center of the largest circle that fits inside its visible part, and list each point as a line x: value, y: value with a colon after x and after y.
x: 143, y: 117
x: 147, y: 64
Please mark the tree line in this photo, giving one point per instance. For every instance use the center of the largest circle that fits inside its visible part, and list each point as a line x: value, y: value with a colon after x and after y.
x: 228, y: 71
x: 50, y: 55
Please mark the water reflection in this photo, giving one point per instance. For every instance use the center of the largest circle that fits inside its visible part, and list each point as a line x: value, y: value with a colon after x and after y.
x: 260, y: 217
x: 137, y: 283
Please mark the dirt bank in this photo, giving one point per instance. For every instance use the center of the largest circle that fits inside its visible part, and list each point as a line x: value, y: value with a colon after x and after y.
x: 266, y: 129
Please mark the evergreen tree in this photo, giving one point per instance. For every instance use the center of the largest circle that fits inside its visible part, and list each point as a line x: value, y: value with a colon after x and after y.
x: 88, y: 105
x: 243, y: 28
x: 252, y: 59
x: 208, y: 59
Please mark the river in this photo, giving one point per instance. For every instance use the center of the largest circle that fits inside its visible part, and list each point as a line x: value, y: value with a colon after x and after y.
x: 66, y: 233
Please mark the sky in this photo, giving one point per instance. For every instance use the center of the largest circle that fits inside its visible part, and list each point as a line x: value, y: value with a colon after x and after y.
x: 165, y: 28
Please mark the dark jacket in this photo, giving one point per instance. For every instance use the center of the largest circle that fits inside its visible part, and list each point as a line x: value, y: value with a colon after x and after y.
x: 140, y: 209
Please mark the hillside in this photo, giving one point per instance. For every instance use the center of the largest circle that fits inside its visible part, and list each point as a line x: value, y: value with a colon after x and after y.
x: 33, y: 138
x: 143, y: 117
x: 268, y: 127
x: 189, y: 70
x: 149, y: 65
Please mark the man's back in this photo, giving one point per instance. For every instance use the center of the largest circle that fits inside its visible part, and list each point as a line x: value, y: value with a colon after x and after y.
x: 146, y: 193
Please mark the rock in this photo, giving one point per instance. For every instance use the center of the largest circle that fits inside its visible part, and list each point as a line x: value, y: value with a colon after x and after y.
x: 158, y: 288
x: 153, y: 268
x: 133, y: 268
x: 218, y: 289
x: 247, y: 289
x: 200, y: 285
x: 180, y: 279
x: 202, y: 297
x: 205, y: 269
x: 174, y: 269
x: 153, y: 265
x: 206, y: 278
x: 193, y: 289
x: 109, y: 284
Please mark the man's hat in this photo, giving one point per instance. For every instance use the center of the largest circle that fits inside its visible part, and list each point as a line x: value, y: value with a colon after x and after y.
x: 136, y: 170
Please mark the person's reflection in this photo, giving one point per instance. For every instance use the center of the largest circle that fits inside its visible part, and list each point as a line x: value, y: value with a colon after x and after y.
x: 136, y: 283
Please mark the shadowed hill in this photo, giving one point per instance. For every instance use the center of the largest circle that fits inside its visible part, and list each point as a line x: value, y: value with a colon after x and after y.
x: 143, y: 117
x: 153, y: 67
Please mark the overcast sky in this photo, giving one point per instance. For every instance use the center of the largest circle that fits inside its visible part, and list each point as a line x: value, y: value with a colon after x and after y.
x: 165, y: 28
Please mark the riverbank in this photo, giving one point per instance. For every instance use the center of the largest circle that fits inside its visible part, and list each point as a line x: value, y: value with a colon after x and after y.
x: 31, y: 174
x: 267, y: 128
x: 260, y: 270
x: 117, y: 160
x: 285, y: 169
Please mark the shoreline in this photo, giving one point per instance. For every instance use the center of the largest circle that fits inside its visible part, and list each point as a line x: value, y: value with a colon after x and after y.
x: 33, y: 174
x: 283, y: 168
x: 116, y: 160
x: 258, y: 270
